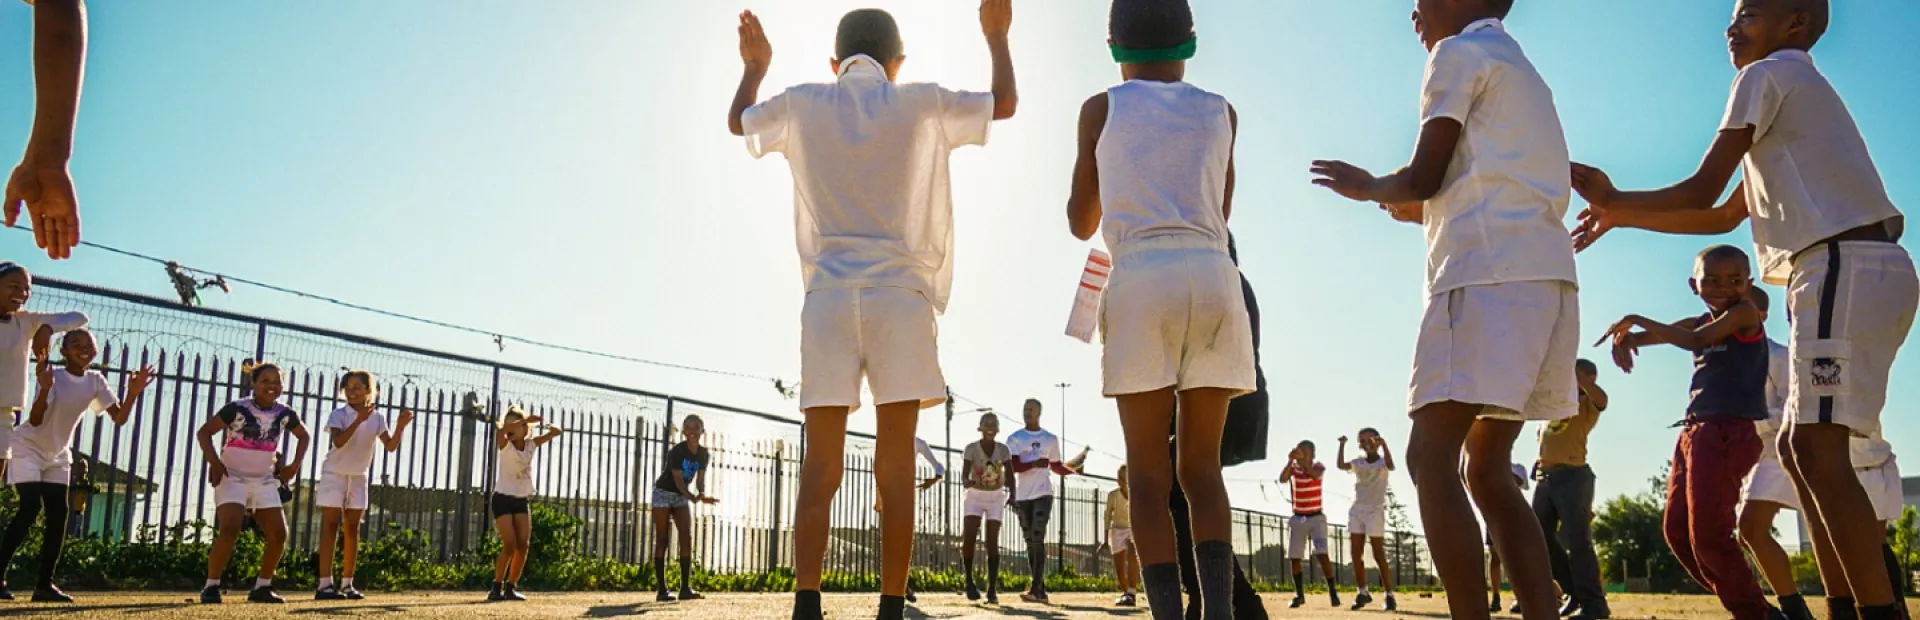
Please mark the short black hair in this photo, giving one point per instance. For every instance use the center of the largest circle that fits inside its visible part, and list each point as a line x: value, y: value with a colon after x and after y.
x: 1819, y: 16
x: 1149, y: 24
x: 871, y: 32
x: 1721, y: 252
x: 10, y: 267
x: 254, y: 375
x: 1369, y: 430
x: 366, y: 378
x: 1585, y: 365
x: 1759, y: 298
x: 1500, y: 8
x: 1308, y: 444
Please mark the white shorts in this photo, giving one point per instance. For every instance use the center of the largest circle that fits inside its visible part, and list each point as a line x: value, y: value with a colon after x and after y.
x: 1769, y: 482
x: 29, y: 467
x: 338, y: 491
x: 1301, y: 530
x: 1119, y: 539
x: 988, y: 505
x: 1850, y: 306
x: 885, y: 334
x: 1510, y: 347
x: 1174, y: 316
x: 251, y: 493
x: 1883, y: 487
x: 1368, y: 521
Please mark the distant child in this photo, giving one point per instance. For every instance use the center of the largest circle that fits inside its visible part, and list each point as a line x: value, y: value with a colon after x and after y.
x: 246, y: 476
x: 874, y: 225
x: 43, y: 452
x: 1824, y: 228
x: 682, y: 482
x: 1126, y: 564
x: 1368, y: 517
x: 1767, y: 489
x: 988, y: 473
x: 1520, y: 478
x: 1502, y: 325
x: 1305, y: 477
x: 512, y: 488
x: 1155, y: 176
x: 24, y: 337
x: 352, y: 431
x: 1719, y: 446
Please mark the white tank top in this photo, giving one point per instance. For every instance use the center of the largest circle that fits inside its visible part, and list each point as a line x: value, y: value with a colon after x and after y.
x: 1163, y: 163
x: 513, y: 471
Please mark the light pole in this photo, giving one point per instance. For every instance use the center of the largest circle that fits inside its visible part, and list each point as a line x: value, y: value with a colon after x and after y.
x: 1059, y: 558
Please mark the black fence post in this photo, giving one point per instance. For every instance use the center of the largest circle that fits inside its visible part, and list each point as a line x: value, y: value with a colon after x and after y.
x: 779, y: 473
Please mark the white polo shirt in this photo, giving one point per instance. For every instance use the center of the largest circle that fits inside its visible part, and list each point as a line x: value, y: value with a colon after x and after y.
x: 356, y: 457
x: 873, y: 204
x: 1809, y: 175
x: 1500, y: 214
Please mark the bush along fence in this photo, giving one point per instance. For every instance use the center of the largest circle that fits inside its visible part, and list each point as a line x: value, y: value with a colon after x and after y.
x: 144, y: 522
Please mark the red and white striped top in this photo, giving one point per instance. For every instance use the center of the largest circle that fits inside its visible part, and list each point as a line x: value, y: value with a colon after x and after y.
x: 1306, y: 488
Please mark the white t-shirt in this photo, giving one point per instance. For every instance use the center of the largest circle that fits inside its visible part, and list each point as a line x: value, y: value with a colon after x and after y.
x: 1501, y: 212
x: 1163, y: 158
x: 873, y: 204
x: 1370, y: 482
x: 355, y: 458
x: 513, y: 471
x: 1809, y: 175
x: 1028, y: 446
x: 70, y: 398
x: 16, y: 348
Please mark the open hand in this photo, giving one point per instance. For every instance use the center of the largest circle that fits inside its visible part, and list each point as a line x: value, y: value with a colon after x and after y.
x: 1593, y: 185
x: 1595, y: 222
x: 755, y: 51
x: 139, y: 381
x: 216, y: 471
x: 287, y: 474
x: 996, y: 17
x: 43, y: 372
x: 42, y: 342
x: 1624, y: 347
x: 1344, y: 179
x: 54, y: 212
x: 406, y: 417
x: 928, y: 483
x: 705, y: 499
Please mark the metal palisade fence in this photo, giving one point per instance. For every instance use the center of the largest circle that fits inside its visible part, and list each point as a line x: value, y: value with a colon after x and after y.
x: 152, y: 477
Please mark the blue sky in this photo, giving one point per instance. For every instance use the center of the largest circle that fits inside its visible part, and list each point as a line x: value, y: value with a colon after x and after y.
x: 561, y: 171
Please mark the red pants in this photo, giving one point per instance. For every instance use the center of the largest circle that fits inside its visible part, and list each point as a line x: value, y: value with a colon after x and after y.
x: 1709, y: 463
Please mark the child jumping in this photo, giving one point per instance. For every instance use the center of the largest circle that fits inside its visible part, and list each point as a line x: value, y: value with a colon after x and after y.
x: 512, y: 488
x: 1368, y: 517
x: 342, y: 495
x: 246, y: 476
x: 1126, y: 563
x: 988, y: 473
x: 1824, y: 227
x: 874, y: 226
x: 1719, y: 446
x: 682, y: 482
x: 1308, y: 525
x: 43, y: 457
x: 24, y: 337
x: 1155, y: 176
x: 1502, y: 325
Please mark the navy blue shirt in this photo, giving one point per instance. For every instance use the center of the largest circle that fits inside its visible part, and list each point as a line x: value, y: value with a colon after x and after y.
x: 1730, y: 378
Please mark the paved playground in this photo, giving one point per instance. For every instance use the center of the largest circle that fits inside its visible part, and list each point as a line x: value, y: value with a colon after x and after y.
x: 743, y: 606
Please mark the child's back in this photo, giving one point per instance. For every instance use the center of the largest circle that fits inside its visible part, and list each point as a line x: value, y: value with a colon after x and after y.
x: 1163, y: 158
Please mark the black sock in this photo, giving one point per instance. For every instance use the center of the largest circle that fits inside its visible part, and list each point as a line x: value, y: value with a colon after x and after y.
x: 1795, y: 606
x: 1888, y: 611
x: 993, y: 573
x: 660, y: 573
x: 1894, y: 573
x: 32, y: 500
x: 686, y: 574
x: 806, y: 605
x: 1299, y: 585
x: 1038, y: 559
x: 1841, y: 608
x: 55, y: 534
x: 892, y: 607
x: 1162, y: 583
x: 966, y: 563
x: 1213, y: 562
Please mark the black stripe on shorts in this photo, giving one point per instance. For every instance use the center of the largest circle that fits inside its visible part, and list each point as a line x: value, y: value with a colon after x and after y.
x: 1829, y: 291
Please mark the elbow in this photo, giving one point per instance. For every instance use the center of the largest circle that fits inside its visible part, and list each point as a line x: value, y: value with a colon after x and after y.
x: 1004, y: 107
x: 1426, y: 184
x: 734, y: 126
x: 1082, y: 226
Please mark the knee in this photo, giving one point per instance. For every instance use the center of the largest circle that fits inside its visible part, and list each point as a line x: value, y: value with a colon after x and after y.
x: 1199, y: 477
x: 521, y: 546
x: 1151, y: 482
x: 1430, y: 466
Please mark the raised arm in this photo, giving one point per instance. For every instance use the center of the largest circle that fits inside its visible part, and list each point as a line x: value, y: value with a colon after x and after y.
x: 340, y: 436
x: 553, y: 432
x: 1693, y: 335
x: 1597, y: 220
x: 42, y: 182
x: 1595, y: 394
x: 996, y: 19
x: 1696, y: 192
x: 1386, y: 454
x: 43, y: 377
x: 756, y: 54
x: 136, y: 385
x: 1418, y: 181
x: 391, y: 440
x: 1340, y: 456
x: 1083, y: 203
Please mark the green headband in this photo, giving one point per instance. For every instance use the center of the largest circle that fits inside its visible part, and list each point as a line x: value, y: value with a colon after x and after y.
x: 1129, y: 56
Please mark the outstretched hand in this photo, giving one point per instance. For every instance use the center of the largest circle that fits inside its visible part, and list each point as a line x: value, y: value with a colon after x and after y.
x: 755, y: 51
x: 1624, y: 347
x: 1345, y: 179
x: 996, y: 17
x: 1595, y: 222
x: 1593, y: 185
x: 138, y: 383
x: 53, y: 210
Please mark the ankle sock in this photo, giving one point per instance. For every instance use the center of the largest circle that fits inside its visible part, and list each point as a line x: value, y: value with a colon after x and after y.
x: 1213, y: 560
x: 806, y: 605
x: 1162, y: 583
x: 346, y: 584
x: 892, y: 607
x: 325, y: 582
x: 212, y: 583
x: 1841, y: 608
x: 262, y: 582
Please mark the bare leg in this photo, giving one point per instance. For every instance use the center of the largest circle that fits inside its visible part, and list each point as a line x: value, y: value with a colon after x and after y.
x: 683, y: 526
x: 992, y: 544
x: 350, y: 554
x: 273, y: 525
x: 1358, y: 544
x: 1756, y: 530
x: 229, y: 516
x: 1821, y: 455
x: 522, y: 542
x: 893, y: 476
x: 1380, y: 562
x: 329, y: 531
x: 969, y: 538
x: 508, y: 543
x: 1510, y: 519
x: 1145, y: 418
x: 820, y: 473
x: 1433, y: 460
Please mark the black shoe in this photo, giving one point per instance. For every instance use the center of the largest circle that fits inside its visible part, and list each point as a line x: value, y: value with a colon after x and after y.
x: 1336, y: 597
x: 1390, y: 606
x: 494, y: 596
x: 663, y: 596
x: 1572, y: 607
x: 1515, y: 609
x: 329, y: 593
x: 1795, y: 607
x: 352, y: 593
x: 1360, y: 601
x: 209, y: 596
x: 1495, y: 607
x: 1590, y: 612
x: 509, y: 593
x: 1126, y: 600
x: 4, y: 594
x: 1297, y: 602
x: 265, y: 595
x: 993, y: 598
x: 1774, y: 613
x: 50, y: 593
x: 690, y: 595
x: 973, y: 592
x: 911, y: 598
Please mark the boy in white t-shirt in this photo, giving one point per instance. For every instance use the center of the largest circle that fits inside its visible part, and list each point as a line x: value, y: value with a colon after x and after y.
x: 987, y: 475
x: 1824, y: 227
x: 874, y: 226
x: 1502, y: 326
x: 24, y: 336
x: 43, y: 452
x: 352, y: 431
x: 247, y: 477
x: 1367, y: 520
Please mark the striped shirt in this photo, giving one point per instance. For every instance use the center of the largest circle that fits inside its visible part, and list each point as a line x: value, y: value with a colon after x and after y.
x: 1306, y: 488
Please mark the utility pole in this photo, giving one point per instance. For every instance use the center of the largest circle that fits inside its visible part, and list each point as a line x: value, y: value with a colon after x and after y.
x: 1059, y: 558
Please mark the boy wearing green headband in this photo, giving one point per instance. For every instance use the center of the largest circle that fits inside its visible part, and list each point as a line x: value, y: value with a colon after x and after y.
x: 1155, y: 176
x: 873, y: 220
x: 1502, y: 327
